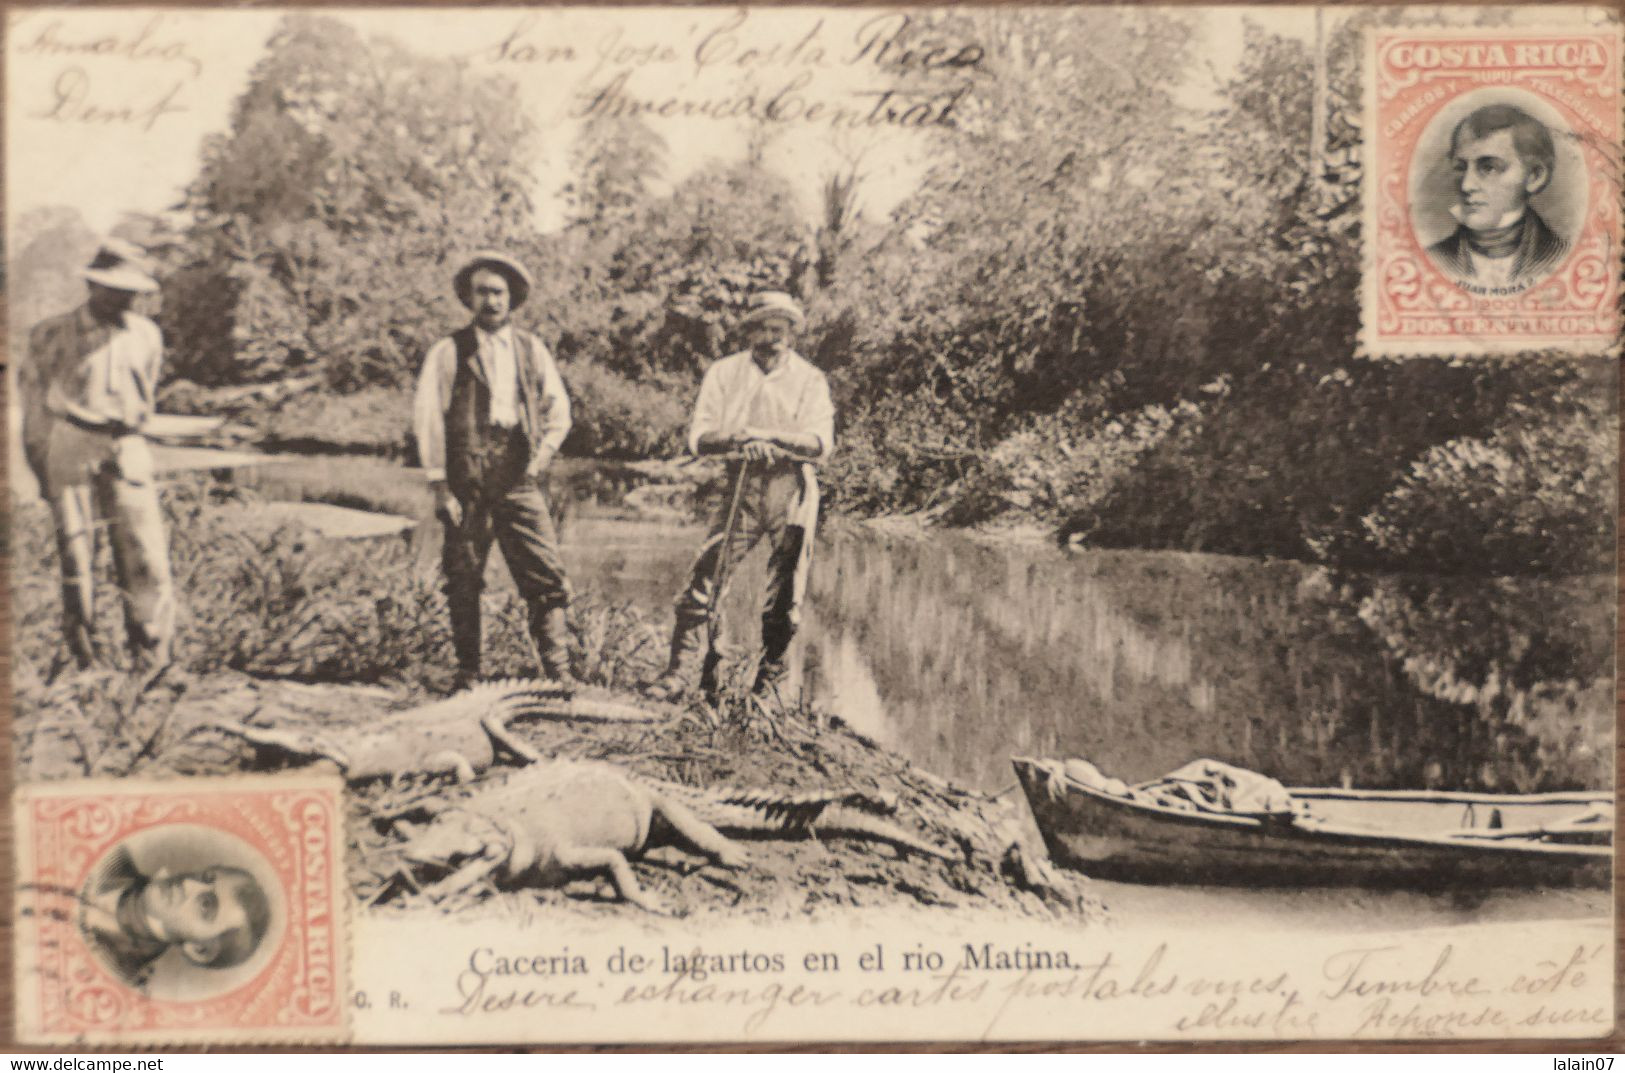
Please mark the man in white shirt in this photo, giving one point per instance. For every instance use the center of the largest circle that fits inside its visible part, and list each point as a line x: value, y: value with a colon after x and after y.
x: 87, y: 387
x: 769, y: 409
x: 490, y: 414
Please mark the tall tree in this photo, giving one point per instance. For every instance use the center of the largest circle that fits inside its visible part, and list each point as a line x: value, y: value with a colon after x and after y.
x: 353, y: 173
x: 615, y: 163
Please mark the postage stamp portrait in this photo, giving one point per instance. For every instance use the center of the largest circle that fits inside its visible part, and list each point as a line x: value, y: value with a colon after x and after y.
x: 1492, y: 192
x: 182, y: 910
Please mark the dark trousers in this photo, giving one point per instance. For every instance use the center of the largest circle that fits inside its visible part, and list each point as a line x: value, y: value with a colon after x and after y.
x: 521, y: 524
x: 766, y: 507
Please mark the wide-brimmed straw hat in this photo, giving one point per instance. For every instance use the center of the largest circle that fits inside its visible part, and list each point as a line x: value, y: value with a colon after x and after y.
x: 518, y: 278
x: 768, y: 304
x: 121, y: 266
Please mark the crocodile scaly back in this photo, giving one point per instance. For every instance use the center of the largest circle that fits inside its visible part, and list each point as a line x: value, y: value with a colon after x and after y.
x: 529, y: 698
x: 821, y: 813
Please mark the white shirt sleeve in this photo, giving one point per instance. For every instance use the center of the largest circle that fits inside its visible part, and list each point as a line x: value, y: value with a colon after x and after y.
x: 707, y: 408
x: 555, y: 404
x: 144, y: 369
x: 818, y: 415
x: 429, y: 408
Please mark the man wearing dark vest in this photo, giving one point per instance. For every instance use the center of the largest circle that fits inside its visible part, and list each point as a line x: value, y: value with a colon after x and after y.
x: 490, y: 414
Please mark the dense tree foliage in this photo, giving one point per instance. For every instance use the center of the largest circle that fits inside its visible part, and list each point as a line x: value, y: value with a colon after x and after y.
x: 354, y: 172
x: 1104, y: 309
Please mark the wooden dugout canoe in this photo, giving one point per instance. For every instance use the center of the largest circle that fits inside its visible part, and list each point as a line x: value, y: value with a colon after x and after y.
x: 1371, y: 838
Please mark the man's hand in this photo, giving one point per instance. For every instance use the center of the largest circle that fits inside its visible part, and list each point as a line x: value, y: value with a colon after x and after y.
x: 539, y: 463
x: 59, y: 405
x: 760, y: 451
x: 800, y: 446
x: 446, y: 507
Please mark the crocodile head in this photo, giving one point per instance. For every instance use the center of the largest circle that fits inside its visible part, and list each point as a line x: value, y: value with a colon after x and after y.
x: 454, y: 836
x: 303, y: 746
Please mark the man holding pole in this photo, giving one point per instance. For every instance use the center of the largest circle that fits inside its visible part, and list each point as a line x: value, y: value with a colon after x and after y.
x: 87, y: 389
x: 490, y: 414
x: 770, y: 411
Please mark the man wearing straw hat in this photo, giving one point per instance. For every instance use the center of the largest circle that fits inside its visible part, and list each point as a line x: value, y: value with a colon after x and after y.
x: 770, y: 410
x: 490, y: 415
x: 87, y: 388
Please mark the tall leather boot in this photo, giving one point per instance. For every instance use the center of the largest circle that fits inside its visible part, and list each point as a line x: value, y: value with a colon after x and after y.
x: 78, y: 621
x: 688, y: 649
x: 550, y: 628
x: 770, y: 672
x: 465, y: 634
x: 81, y: 642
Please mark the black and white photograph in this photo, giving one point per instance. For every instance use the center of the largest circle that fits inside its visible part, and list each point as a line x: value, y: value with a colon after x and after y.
x: 819, y: 524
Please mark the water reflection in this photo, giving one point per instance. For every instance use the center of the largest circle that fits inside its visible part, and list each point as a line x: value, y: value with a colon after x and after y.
x: 961, y: 654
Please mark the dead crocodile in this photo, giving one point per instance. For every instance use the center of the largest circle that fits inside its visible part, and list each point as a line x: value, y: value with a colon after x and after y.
x: 556, y: 821
x: 460, y: 735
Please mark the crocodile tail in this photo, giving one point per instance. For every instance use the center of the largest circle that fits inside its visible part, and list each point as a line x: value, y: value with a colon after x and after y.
x: 507, y: 690
x: 881, y: 804
x: 839, y: 821
x: 763, y: 813
x: 532, y: 698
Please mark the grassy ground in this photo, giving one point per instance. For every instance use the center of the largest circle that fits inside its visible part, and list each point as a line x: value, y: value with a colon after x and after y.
x: 294, y: 630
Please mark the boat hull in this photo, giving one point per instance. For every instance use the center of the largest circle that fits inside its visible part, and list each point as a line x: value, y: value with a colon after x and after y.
x: 1112, y: 838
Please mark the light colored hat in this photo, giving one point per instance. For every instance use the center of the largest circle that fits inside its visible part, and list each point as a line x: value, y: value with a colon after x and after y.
x: 518, y: 278
x: 766, y: 304
x: 121, y: 266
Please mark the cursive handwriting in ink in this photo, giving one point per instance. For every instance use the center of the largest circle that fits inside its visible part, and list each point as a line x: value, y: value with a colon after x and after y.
x: 72, y: 102
x: 144, y: 46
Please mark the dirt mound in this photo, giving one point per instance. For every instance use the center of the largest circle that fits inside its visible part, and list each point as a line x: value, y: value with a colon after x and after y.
x: 745, y: 746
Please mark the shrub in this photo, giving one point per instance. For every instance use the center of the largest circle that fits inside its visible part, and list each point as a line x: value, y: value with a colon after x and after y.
x: 374, y: 420
x: 1524, y: 501
x: 617, y: 417
x: 1060, y: 471
x: 290, y: 604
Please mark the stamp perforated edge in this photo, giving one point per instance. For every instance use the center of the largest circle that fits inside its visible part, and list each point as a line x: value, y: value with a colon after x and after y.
x: 27, y: 980
x: 1453, y: 347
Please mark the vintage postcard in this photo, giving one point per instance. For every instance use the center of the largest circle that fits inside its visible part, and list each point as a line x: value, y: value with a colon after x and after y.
x: 1066, y: 523
x: 1492, y: 190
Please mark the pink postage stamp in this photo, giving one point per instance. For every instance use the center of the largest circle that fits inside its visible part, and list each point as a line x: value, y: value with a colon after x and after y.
x: 1492, y: 191
x: 185, y: 910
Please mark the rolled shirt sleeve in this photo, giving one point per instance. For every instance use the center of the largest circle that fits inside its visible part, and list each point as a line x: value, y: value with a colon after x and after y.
x: 429, y: 408
x: 734, y: 394
x: 818, y: 415
x: 556, y: 419
x: 708, y: 408
x: 137, y: 397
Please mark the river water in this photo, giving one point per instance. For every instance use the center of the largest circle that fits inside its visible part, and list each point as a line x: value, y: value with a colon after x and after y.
x: 960, y: 653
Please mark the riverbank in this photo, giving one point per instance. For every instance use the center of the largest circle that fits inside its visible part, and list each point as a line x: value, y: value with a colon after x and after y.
x: 993, y: 866
x: 949, y: 651
x: 300, y: 632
